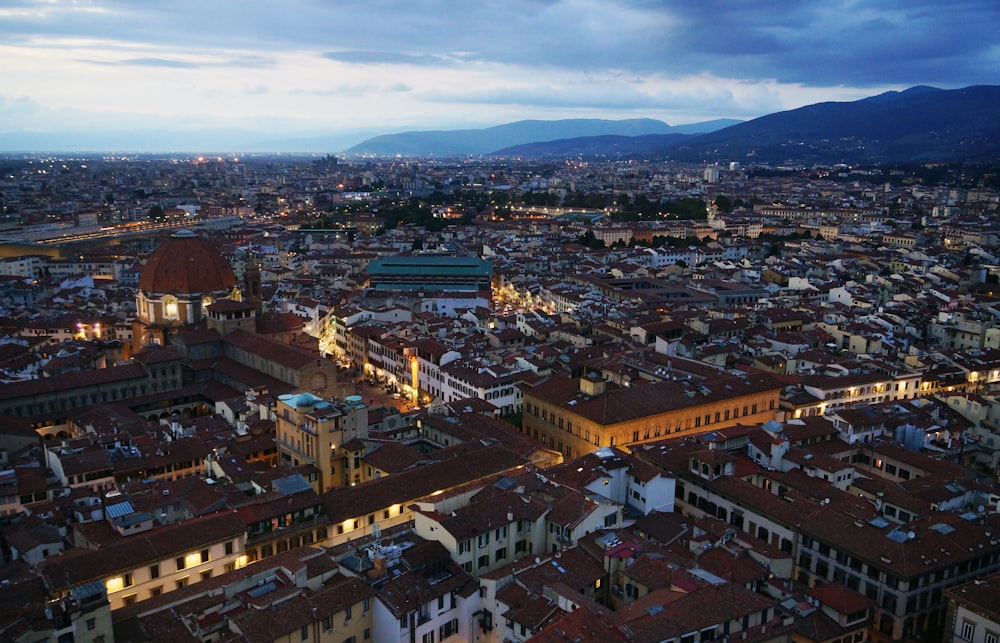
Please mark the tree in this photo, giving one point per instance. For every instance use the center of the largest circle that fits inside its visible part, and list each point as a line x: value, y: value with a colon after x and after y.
x: 156, y: 213
x: 724, y: 203
x: 686, y: 208
x: 589, y: 240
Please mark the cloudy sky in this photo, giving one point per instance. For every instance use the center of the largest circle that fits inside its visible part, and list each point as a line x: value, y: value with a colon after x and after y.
x: 350, y: 68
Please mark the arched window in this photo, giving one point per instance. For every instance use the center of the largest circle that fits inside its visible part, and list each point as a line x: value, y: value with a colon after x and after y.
x: 170, y: 310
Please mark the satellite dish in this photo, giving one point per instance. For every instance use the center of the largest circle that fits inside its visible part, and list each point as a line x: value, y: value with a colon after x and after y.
x: 911, y: 535
x: 980, y: 509
x: 538, y: 560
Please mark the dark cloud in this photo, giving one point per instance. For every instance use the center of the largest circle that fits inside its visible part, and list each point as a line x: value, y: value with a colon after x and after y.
x: 710, y: 102
x: 846, y: 42
x: 829, y: 42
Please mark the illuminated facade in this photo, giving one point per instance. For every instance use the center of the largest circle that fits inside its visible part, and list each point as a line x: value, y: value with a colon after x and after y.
x: 313, y: 430
x: 158, y: 561
x: 578, y: 416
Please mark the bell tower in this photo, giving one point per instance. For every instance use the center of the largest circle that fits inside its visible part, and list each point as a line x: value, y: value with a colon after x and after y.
x: 252, y: 293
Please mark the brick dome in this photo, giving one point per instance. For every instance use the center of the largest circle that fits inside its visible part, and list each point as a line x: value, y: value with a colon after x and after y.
x: 186, y: 264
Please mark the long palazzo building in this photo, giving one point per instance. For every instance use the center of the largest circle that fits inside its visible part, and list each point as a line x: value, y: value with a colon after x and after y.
x: 578, y: 416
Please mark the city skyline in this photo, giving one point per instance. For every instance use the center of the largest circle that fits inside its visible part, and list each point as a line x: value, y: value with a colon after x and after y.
x: 136, y: 76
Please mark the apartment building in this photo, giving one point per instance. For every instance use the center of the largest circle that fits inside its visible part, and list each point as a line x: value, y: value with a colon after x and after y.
x: 973, y: 611
x: 426, y: 598
x: 385, y: 503
x: 292, y: 597
x: 313, y: 430
x: 826, y: 394
x: 840, y: 536
x: 149, y: 561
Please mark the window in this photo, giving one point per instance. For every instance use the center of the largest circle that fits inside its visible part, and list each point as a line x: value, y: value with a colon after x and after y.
x: 428, y: 637
x: 181, y: 583
x: 128, y: 600
x: 990, y: 637
x: 465, y: 546
x: 968, y: 630
x: 449, y: 629
x: 229, y: 548
x: 155, y: 591
x: 304, y: 633
x: 179, y: 562
x: 204, y: 555
x: 91, y: 623
x: 154, y: 571
x: 205, y: 575
x: 127, y: 580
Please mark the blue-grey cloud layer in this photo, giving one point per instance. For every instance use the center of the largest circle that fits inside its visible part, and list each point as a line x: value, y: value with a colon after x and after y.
x: 947, y: 43
x: 133, y: 70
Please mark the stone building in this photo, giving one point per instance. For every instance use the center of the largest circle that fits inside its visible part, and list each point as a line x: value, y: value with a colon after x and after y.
x: 578, y: 416
x: 180, y: 280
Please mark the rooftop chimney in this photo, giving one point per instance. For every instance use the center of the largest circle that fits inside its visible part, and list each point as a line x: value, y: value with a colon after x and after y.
x: 592, y: 386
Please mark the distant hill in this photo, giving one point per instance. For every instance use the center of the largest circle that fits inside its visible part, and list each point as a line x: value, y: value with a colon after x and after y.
x: 487, y: 140
x: 919, y: 124
x: 615, y: 146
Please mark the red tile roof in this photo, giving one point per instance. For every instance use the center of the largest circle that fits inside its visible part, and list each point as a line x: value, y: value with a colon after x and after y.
x: 186, y: 264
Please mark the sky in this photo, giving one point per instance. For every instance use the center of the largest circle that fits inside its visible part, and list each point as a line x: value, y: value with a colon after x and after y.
x: 168, y: 74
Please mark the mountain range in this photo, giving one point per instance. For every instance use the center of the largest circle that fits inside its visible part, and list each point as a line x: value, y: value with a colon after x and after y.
x: 489, y: 140
x: 915, y: 125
